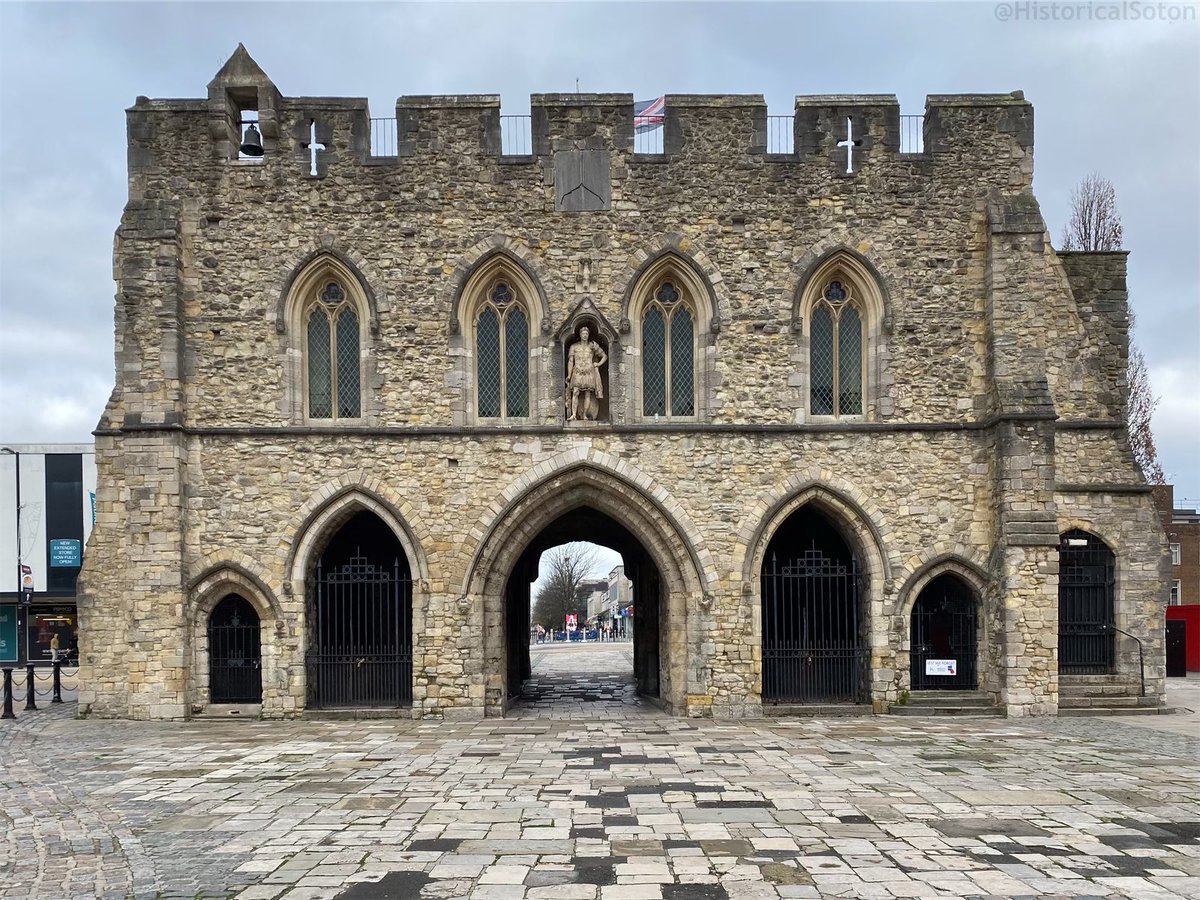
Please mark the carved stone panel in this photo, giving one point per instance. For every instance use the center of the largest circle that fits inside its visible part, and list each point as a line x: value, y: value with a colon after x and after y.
x: 582, y: 180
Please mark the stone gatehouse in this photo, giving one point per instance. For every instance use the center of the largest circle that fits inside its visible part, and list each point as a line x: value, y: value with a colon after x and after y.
x: 854, y: 426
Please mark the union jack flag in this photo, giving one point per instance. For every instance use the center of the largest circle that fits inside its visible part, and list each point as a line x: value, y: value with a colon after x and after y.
x: 648, y: 114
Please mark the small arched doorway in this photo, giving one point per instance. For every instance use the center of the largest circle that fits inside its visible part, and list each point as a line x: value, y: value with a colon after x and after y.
x: 234, y: 652
x: 1086, y: 569
x: 814, y: 647
x: 359, y: 597
x: 944, y: 636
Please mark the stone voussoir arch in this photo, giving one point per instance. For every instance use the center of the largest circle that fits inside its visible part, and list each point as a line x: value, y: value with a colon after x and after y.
x: 691, y: 259
x: 1098, y: 530
x: 221, y: 575
x: 347, y: 263
x: 961, y: 561
x: 518, y: 256
x: 848, y: 506
x: 612, y: 482
x: 859, y: 259
x: 335, y: 503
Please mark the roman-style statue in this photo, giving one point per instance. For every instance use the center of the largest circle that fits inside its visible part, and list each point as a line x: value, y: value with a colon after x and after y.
x: 583, y: 377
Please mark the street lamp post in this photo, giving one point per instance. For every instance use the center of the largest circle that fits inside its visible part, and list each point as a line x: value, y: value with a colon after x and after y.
x: 20, y: 568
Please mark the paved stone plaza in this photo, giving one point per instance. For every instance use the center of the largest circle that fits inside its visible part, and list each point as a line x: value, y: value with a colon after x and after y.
x: 628, y: 804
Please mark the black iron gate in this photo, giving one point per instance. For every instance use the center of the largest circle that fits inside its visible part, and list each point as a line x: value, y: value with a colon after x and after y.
x: 1085, y: 605
x: 812, y: 645
x: 234, y: 652
x: 361, y: 653
x: 944, y: 636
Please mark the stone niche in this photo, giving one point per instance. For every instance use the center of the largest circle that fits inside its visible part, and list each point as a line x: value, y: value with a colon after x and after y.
x: 604, y: 337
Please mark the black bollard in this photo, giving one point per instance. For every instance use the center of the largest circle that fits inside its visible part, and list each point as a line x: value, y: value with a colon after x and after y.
x: 8, y: 710
x: 30, y: 703
x: 57, y: 698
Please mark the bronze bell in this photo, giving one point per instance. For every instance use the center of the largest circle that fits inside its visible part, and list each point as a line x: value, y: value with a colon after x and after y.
x: 251, y: 142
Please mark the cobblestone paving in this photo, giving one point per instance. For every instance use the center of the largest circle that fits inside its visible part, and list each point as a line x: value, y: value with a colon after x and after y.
x: 642, y: 807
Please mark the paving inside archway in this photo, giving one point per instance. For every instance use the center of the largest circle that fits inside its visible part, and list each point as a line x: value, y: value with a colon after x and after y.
x: 582, y: 681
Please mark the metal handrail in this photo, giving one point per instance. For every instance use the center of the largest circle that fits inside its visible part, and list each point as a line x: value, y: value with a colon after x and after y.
x: 1141, y: 656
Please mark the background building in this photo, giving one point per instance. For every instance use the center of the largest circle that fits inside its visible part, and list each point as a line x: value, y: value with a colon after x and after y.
x: 1183, y: 541
x: 44, y: 536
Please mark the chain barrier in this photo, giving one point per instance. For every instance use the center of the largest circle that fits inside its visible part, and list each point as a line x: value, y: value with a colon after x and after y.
x: 54, y: 679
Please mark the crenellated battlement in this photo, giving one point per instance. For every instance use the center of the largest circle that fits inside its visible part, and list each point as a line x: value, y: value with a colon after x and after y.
x: 848, y: 134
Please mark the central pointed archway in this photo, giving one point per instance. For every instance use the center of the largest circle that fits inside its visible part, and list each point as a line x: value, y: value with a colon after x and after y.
x: 586, y: 502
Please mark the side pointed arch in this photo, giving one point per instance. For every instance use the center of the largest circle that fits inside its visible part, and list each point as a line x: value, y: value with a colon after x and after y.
x: 499, y: 350
x: 322, y: 263
x: 224, y: 577
x: 321, y: 518
x: 219, y: 580
x: 842, y: 356
x: 328, y: 319
x: 969, y: 571
x: 861, y: 522
x: 822, y: 262
x: 690, y: 264
x: 671, y: 345
x: 495, y: 256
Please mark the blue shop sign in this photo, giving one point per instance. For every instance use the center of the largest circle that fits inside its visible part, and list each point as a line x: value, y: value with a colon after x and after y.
x: 8, y: 634
x: 66, y: 553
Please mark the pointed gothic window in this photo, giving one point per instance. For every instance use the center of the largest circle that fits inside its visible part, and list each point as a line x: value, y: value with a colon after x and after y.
x: 668, y: 354
x: 332, y: 355
x: 502, y: 354
x: 835, y: 348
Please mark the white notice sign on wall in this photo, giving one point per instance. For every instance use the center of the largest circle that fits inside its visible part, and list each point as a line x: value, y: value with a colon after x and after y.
x: 941, y: 667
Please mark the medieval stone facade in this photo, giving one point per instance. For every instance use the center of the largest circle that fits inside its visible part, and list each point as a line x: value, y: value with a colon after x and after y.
x: 843, y: 362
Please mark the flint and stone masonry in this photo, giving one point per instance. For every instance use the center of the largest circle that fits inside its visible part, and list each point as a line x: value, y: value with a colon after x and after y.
x: 990, y: 421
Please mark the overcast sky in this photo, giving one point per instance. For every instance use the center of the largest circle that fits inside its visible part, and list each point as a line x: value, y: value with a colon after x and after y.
x: 1117, y: 97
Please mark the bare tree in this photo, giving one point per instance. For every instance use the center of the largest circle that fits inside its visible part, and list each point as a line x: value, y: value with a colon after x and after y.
x: 569, y: 566
x: 1095, y: 225
x: 1137, y: 418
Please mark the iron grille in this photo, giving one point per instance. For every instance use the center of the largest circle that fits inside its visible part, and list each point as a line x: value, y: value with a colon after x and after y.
x: 944, y: 627
x: 320, y: 369
x: 516, y: 362
x: 234, y: 652
x: 487, y: 335
x: 361, y: 653
x: 654, y: 363
x: 1085, y: 605
x: 812, y: 646
x: 347, y: 364
x: 849, y: 331
x: 683, y: 400
x: 820, y: 352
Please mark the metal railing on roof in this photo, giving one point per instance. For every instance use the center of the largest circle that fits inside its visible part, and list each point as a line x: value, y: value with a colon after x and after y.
x: 383, y: 137
x: 516, y: 135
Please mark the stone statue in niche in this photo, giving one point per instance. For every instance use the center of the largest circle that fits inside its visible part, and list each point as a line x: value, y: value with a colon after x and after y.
x: 585, y: 387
